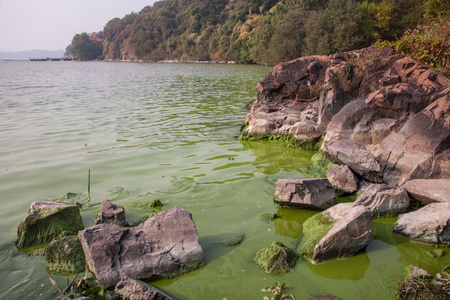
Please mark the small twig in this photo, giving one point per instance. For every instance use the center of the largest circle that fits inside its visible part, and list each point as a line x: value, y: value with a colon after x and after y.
x: 73, y: 280
x: 89, y: 185
x: 55, y: 284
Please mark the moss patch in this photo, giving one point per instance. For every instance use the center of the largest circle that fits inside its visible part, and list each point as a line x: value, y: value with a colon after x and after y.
x: 288, y: 139
x: 44, y: 226
x: 320, y: 164
x: 65, y: 255
x: 276, y: 259
x: 314, y: 229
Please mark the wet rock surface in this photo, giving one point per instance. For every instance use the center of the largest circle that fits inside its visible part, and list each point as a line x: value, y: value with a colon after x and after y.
x: 128, y: 288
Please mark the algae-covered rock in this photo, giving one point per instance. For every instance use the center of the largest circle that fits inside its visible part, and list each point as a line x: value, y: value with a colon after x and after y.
x: 65, y: 255
x: 46, y: 221
x: 80, y: 199
x: 339, y: 231
x: 320, y: 164
x: 276, y: 259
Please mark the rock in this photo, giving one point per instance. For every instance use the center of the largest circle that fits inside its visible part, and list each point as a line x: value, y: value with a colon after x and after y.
x: 421, y: 148
x: 383, y: 199
x: 355, y: 156
x: 320, y: 164
x: 231, y: 239
x: 165, y: 246
x: 110, y: 213
x: 337, y: 232
x: 65, y: 255
x: 428, y: 191
x: 391, y: 105
x: 46, y: 221
x: 342, y: 178
x: 276, y: 259
x: 132, y: 289
x: 428, y: 225
x: 305, y: 192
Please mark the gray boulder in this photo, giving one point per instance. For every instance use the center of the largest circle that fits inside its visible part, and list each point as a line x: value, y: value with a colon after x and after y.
x: 428, y: 225
x: 337, y: 232
x: 383, y: 199
x: 428, y: 191
x: 110, y: 213
x: 165, y: 246
x: 354, y: 155
x: 342, y: 178
x: 305, y: 192
x: 132, y: 289
x: 46, y: 221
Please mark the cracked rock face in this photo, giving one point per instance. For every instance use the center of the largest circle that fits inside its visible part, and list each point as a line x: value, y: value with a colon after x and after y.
x: 166, y: 245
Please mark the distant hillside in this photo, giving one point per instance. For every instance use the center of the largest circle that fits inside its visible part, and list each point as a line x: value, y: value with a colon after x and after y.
x: 258, y: 31
x: 23, y: 55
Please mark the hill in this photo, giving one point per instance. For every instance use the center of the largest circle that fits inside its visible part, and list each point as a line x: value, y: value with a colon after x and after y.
x: 25, y: 55
x: 261, y: 31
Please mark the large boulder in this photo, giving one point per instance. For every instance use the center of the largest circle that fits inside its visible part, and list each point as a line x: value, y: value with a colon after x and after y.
x: 355, y: 156
x: 166, y: 245
x: 110, y: 213
x: 305, y: 192
x: 132, y: 289
x: 276, y: 259
x: 337, y: 232
x: 428, y: 225
x: 46, y: 221
x: 342, y: 178
x: 428, y: 191
x: 383, y: 199
x: 391, y: 105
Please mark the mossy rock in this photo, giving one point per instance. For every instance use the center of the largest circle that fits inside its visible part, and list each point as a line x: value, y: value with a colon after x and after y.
x: 314, y: 229
x: 289, y: 139
x: 320, y: 164
x: 46, y: 221
x: 276, y: 259
x: 65, y: 255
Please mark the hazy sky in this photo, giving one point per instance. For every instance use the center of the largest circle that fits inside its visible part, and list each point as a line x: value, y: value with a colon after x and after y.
x: 51, y: 24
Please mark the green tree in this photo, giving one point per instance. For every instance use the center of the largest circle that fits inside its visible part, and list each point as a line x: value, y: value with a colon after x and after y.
x: 84, y: 48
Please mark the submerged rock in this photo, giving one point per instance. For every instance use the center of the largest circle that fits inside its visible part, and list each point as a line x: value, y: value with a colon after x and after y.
x: 340, y: 231
x: 305, y: 192
x: 383, y: 199
x: 166, y: 246
x: 65, y: 255
x: 342, y: 178
x: 133, y: 289
x: 428, y: 225
x: 46, y: 221
x: 276, y: 259
x: 110, y: 213
x: 427, y: 191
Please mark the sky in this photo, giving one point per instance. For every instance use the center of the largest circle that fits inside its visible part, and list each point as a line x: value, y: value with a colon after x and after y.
x: 51, y: 24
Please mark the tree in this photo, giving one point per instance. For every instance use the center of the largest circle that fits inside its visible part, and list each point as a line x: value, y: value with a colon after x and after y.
x: 85, y: 48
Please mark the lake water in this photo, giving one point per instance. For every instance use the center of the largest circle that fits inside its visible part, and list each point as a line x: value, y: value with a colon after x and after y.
x: 168, y: 131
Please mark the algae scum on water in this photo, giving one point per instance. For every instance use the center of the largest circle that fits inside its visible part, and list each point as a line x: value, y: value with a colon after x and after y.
x: 168, y: 132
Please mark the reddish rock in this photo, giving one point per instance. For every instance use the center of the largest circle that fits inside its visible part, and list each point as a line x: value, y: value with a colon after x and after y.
x: 305, y: 192
x: 355, y: 156
x: 383, y: 199
x: 110, y: 213
x: 342, y: 178
x: 166, y: 245
x: 429, y: 191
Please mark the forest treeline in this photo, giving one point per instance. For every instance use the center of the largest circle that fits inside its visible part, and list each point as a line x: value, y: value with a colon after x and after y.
x: 261, y: 31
